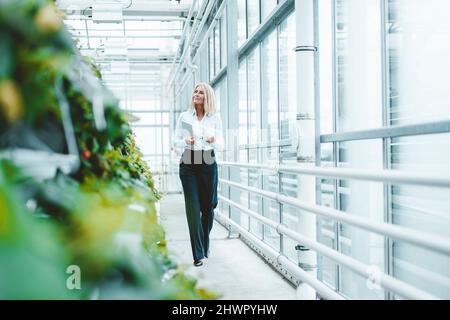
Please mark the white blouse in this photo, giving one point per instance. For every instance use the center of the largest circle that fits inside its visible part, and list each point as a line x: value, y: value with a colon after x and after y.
x: 209, y: 126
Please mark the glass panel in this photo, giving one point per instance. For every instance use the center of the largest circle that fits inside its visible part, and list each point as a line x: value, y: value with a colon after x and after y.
x: 288, y: 87
x: 291, y: 219
x: 211, y: 58
x: 326, y: 65
x: 255, y: 201
x: 252, y: 15
x: 243, y: 134
x: 271, y: 209
x: 326, y: 233
x: 270, y: 88
x: 244, y: 198
x: 217, y: 47
x: 266, y: 8
x: 364, y: 199
x: 290, y: 215
x: 223, y: 39
x: 254, y: 105
x: 165, y: 145
x: 418, y: 33
x: 358, y: 45
x: 145, y: 138
x: 422, y: 208
x: 271, y: 236
x: 242, y: 22
x: 145, y: 119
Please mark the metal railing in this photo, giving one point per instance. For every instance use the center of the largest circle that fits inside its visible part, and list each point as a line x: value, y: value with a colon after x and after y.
x: 429, y: 241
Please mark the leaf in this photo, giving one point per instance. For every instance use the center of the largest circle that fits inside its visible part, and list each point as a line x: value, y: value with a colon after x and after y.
x: 7, y: 56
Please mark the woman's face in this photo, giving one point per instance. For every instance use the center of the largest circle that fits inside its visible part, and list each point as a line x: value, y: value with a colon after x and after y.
x: 199, y: 96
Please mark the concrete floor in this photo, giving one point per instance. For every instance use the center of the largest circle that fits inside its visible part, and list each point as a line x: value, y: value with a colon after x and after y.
x: 233, y: 270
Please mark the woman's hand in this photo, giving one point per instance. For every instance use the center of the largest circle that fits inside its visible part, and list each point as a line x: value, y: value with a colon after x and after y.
x: 190, y: 140
x: 210, y: 139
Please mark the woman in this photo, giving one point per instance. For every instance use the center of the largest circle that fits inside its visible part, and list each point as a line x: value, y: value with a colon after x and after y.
x: 199, y: 133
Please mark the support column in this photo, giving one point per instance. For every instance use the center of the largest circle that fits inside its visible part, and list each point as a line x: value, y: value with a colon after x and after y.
x: 306, y: 114
x: 233, y: 103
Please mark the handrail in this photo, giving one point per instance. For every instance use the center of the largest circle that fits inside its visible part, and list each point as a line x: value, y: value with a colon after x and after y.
x: 402, y: 288
x: 375, y: 175
x: 419, y: 238
x: 323, y: 290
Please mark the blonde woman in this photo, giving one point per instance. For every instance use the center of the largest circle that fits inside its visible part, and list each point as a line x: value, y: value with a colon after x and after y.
x: 199, y: 133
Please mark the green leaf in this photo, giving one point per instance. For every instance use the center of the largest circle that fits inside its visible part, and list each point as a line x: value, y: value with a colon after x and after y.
x: 7, y: 56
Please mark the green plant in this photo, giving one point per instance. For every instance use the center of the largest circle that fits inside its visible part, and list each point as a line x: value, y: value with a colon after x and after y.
x: 102, y: 218
x: 35, y: 49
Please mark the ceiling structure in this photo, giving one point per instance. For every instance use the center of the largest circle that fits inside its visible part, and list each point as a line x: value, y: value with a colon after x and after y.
x: 134, y: 42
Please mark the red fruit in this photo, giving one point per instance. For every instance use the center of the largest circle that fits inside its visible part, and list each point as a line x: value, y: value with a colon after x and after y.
x: 86, y: 154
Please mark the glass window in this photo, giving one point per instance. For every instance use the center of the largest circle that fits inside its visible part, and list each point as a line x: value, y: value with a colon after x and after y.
x: 270, y: 89
x: 364, y: 199
x: 145, y: 138
x: 204, y: 67
x: 223, y: 39
x: 211, y: 57
x: 267, y: 7
x: 244, y: 196
x: 358, y: 45
x: 271, y: 210
x: 243, y: 122
x: 423, y: 209
x: 326, y: 65
x: 254, y: 105
x: 288, y: 79
x: 145, y: 118
x: 242, y: 22
x: 419, y: 72
x: 252, y: 15
x: 217, y: 48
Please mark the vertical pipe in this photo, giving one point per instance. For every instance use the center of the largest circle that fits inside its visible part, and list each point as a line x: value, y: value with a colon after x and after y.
x: 306, y: 54
x: 336, y: 157
x: 388, y: 266
x: 233, y: 102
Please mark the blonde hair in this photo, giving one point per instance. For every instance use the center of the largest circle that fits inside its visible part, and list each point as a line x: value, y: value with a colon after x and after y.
x: 210, y: 98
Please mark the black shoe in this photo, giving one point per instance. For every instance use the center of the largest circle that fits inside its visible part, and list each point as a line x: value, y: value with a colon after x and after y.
x: 198, y: 263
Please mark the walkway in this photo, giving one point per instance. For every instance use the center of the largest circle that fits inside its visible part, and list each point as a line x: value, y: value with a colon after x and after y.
x: 234, y: 271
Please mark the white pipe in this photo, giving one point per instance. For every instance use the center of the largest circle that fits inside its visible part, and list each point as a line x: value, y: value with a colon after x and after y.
x: 194, y: 27
x: 423, y: 239
x: 186, y: 77
x: 385, y: 176
x: 302, y: 275
x: 305, y: 104
x: 183, y: 36
x: 202, y: 23
x: 388, y: 282
x: 213, y: 24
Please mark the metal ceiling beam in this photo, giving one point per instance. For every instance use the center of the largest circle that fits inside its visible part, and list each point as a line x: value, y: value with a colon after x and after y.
x: 143, y: 9
x: 127, y: 36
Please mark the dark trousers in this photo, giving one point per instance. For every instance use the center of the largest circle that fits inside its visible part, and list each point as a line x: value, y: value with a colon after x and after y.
x: 199, y: 177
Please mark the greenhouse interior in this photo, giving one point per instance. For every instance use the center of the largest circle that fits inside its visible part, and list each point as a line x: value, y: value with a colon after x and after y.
x: 332, y: 179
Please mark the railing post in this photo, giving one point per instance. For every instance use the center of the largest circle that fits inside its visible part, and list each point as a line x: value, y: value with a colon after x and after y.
x: 306, y: 99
